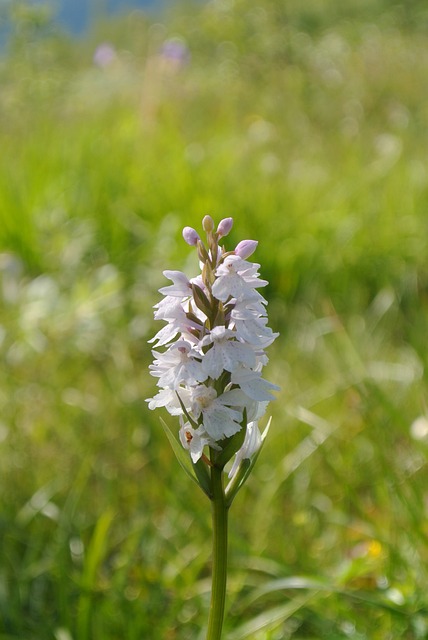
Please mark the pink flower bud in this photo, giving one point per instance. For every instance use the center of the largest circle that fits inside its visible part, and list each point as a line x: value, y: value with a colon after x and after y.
x: 245, y: 248
x: 207, y: 224
x: 224, y: 227
x: 191, y: 236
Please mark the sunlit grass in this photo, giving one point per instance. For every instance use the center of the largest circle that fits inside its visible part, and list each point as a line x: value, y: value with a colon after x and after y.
x: 310, y: 130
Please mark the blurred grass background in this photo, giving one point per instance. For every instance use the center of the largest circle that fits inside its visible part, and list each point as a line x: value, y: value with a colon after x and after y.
x: 306, y: 122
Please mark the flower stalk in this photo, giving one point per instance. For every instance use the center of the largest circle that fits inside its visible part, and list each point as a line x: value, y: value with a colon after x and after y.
x: 208, y: 360
x: 220, y: 512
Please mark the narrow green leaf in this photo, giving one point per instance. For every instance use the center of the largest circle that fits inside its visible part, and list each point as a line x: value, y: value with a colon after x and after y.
x: 238, y: 480
x: 244, y: 470
x: 234, y: 443
x: 290, y: 582
x: 197, y: 472
x: 271, y: 618
x: 186, y: 413
x: 95, y: 554
x: 180, y: 454
x: 201, y: 471
x: 376, y: 598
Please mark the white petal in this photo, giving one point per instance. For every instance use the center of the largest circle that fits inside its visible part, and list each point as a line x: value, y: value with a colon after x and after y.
x: 219, y: 423
x: 165, y: 335
x: 165, y: 398
x: 250, y: 446
x: 192, y: 441
x: 181, y: 286
x: 212, y: 363
x: 254, y: 385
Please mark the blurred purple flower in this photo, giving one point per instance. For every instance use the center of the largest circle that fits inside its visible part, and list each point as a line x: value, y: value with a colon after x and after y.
x: 104, y: 55
x: 175, y: 51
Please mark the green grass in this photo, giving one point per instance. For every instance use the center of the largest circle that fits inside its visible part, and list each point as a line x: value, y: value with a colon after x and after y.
x: 309, y: 127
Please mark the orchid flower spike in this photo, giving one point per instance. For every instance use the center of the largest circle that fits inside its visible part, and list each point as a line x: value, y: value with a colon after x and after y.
x: 209, y: 357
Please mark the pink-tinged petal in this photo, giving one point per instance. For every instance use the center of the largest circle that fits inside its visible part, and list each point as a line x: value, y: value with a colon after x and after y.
x: 245, y: 248
x: 224, y: 227
x: 191, y: 236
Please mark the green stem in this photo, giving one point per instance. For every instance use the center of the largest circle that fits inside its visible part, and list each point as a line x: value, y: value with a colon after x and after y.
x: 219, y: 558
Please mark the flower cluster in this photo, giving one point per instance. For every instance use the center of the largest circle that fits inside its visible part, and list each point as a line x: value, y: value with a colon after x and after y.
x: 213, y: 347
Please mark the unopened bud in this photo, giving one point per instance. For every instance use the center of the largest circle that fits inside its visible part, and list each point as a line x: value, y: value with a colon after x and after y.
x: 245, y: 248
x: 207, y: 224
x: 224, y: 227
x: 191, y: 236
